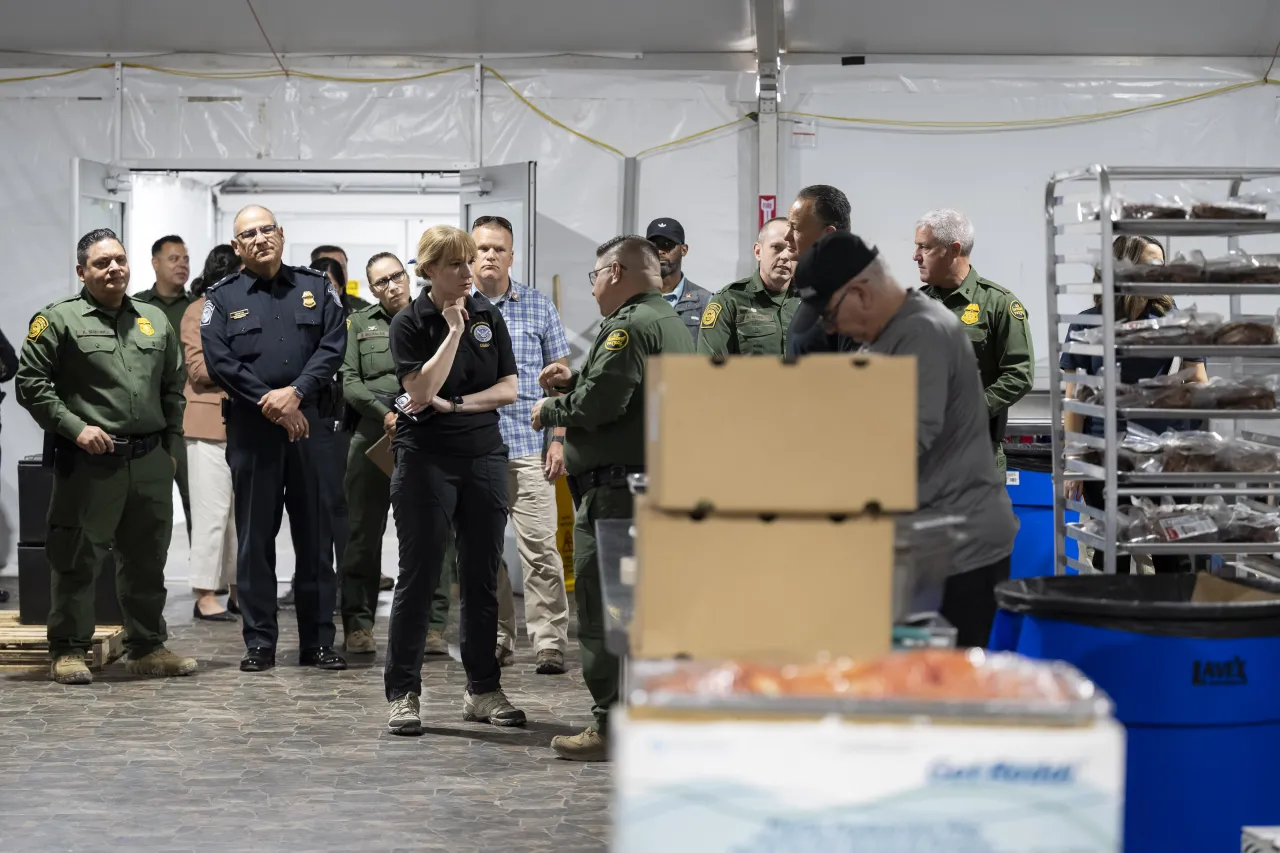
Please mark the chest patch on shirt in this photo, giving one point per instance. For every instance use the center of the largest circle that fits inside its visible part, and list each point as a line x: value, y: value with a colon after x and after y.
x: 207, y: 314
x: 971, y: 314
x: 710, y: 316
x: 1017, y: 311
x: 38, y: 325
x: 144, y: 326
x: 617, y: 340
x: 483, y: 333
x: 308, y: 299
x: 238, y: 315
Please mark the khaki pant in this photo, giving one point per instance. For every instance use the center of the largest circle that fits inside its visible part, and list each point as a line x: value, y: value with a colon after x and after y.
x: 213, y: 521
x: 546, y: 606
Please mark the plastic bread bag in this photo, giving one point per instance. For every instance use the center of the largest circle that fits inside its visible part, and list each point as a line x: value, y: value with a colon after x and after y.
x: 1171, y: 391
x: 1191, y: 452
x: 1237, y: 267
x: 1188, y: 322
x: 1155, y: 206
x: 1247, y: 457
x: 1247, y: 207
x: 1250, y: 393
x: 1248, y: 332
x: 1170, y: 522
x: 1186, y: 269
x: 1241, y: 523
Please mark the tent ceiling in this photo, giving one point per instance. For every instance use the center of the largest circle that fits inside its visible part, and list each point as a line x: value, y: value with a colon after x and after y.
x: 432, y: 27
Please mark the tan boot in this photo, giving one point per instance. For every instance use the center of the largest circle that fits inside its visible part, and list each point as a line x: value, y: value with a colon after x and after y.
x: 588, y: 746
x: 436, y: 644
x: 160, y: 664
x: 359, y: 642
x: 70, y: 669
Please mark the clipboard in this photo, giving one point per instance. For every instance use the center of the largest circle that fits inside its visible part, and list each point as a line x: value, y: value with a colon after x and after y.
x: 380, y: 454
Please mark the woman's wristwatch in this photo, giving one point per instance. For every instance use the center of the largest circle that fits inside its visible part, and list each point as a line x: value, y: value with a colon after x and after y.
x: 457, y: 404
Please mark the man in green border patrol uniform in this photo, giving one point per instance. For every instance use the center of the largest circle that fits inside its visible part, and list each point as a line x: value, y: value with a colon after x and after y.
x: 603, y: 409
x: 102, y: 374
x: 992, y: 316
x: 751, y: 316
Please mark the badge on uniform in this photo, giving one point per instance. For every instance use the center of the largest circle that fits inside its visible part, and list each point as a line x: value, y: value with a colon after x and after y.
x: 618, y: 339
x: 971, y: 314
x: 1017, y: 311
x: 238, y: 315
x: 207, y: 314
x: 483, y: 333
x: 709, y: 316
x: 38, y: 325
x: 308, y: 301
x: 144, y: 326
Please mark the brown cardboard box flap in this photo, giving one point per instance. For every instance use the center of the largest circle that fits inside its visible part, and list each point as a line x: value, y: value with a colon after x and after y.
x: 741, y: 587
x: 828, y: 434
x: 1211, y: 589
x: 380, y: 454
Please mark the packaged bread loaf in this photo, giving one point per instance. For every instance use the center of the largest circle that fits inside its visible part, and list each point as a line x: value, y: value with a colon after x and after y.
x: 1245, y: 333
x: 1191, y: 452
x: 1228, y: 210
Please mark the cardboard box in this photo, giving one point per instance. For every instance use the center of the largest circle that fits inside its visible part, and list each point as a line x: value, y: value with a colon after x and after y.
x: 828, y: 434
x: 380, y: 454
x: 902, y: 787
x: 741, y: 587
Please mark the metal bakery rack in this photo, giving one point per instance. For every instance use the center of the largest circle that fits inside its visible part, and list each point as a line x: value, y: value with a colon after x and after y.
x: 1066, y: 275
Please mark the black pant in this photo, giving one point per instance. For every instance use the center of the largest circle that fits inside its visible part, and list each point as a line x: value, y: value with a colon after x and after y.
x: 341, y: 516
x: 431, y: 495
x: 969, y: 602
x: 268, y: 474
x: 1094, y: 494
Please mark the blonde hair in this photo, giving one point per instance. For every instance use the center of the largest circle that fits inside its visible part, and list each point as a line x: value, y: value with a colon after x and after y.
x: 443, y: 244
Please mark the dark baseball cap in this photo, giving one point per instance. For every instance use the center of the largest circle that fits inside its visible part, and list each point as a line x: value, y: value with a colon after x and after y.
x: 824, y: 268
x: 667, y: 227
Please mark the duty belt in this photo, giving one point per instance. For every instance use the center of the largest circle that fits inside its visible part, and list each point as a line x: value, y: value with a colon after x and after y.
x: 134, y: 446
x: 610, y: 476
x: 124, y: 449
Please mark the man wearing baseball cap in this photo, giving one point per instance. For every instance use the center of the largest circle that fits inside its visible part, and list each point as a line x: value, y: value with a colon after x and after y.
x: 847, y: 287
x: 689, y: 300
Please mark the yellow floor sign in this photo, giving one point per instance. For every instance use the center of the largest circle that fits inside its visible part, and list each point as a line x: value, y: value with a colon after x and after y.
x: 564, y: 529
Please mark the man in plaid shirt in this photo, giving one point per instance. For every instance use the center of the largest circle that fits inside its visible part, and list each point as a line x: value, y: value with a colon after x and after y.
x: 537, y: 339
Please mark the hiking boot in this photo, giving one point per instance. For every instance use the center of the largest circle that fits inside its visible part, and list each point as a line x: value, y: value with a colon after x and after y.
x: 70, y: 669
x: 160, y: 664
x: 359, y: 642
x: 405, y: 718
x: 550, y: 662
x: 503, y: 655
x: 386, y: 584
x: 492, y: 708
x: 588, y: 746
x: 436, y: 644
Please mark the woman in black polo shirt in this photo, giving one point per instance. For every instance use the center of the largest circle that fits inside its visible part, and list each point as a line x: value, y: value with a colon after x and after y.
x: 454, y: 359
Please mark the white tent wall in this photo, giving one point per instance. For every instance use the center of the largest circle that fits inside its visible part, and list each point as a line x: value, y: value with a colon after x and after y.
x: 892, y: 175
x: 161, y: 205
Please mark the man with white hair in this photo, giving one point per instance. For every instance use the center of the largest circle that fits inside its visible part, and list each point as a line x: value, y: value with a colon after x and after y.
x: 848, y: 289
x: 994, y: 319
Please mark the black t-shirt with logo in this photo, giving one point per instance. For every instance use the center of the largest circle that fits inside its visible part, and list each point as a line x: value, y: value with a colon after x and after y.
x: 484, y: 356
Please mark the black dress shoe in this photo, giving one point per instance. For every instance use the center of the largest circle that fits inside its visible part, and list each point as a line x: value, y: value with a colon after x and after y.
x: 224, y: 616
x: 258, y: 660
x: 322, y: 658
x: 233, y: 606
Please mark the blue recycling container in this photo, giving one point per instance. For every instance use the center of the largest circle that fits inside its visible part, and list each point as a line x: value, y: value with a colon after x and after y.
x: 1196, y: 685
x: 1032, y: 495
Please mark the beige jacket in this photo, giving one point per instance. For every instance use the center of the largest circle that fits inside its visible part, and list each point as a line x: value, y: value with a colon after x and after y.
x: 203, y: 418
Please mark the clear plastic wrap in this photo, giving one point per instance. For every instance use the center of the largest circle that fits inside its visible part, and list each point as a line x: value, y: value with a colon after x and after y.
x: 1237, y: 267
x: 1252, y: 392
x: 1240, y: 208
x: 1246, y: 457
x: 935, y: 682
x: 1191, y: 452
x: 1186, y: 327
x: 1155, y: 206
x: 1188, y: 269
x: 1170, y: 523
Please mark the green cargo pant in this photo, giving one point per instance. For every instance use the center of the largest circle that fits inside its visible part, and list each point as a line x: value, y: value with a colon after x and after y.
x: 600, y: 669
x: 368, y: 499
x: 98, y: 504
x: 180, y: 477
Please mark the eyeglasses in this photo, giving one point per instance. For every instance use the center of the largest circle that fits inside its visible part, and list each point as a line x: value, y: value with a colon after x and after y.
x: 828, y: 315
x: 265, y: 231
x: 500, y: 221
x: 591, y: 276
x: 398, y: 277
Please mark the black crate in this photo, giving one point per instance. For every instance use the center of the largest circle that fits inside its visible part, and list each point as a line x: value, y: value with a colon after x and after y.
x: 35, y: 491
x: 33, y: 588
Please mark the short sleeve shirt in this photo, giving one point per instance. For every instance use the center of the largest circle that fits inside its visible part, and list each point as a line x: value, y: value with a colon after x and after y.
x: 484, y: 356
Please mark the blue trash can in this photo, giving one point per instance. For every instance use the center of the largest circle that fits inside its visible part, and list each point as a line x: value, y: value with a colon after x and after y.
x: 1196, y: 684
x: 1031, y: 493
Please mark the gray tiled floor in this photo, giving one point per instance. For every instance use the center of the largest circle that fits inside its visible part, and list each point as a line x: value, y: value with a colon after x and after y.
x: 293, y: 759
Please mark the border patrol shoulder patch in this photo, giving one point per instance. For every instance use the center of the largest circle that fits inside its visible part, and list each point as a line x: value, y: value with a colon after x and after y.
x: 617, y: 340
x: 712, y: 314
x: 1017, y: 311
x: 38, y: 325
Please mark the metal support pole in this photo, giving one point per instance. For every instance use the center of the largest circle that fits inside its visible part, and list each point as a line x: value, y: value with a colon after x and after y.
x: 768, y: 18
x: 117, y: 140
x: 630, y: 195
x: 477, y: 129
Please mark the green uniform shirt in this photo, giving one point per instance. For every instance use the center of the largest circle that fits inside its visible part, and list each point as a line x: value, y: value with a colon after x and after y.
x: 368, y: 370
x: 746, y: 319
x: 997, y: 325
x: 82, y: 366
x: 603, y: 409
x: 173, y: 308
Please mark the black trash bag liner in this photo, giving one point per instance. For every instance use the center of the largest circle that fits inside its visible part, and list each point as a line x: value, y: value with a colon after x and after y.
x: 1036, y: 458
x: 1157, y: 605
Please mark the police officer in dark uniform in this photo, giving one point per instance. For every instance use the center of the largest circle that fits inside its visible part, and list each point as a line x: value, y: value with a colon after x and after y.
x: 274, y: 337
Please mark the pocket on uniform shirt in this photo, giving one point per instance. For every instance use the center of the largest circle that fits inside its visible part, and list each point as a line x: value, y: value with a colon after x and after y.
x: 89, y: 344
x: 373, y: 351
x: 755, y: 337
x: 243, y: 334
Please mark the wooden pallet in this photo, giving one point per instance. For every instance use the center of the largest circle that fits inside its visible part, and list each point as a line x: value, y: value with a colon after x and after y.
x: 28, y: 645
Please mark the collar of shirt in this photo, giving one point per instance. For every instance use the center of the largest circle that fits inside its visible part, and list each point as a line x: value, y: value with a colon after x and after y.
x: 513, y: 293
x: 967, y: 289
x: 476, y: 304
x: 674, y: 296
x: 284, y: 276
x: 92, y: 304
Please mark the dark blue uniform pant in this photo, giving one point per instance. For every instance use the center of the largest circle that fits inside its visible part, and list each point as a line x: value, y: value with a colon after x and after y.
x: 268, y: 474
x: 432, y: 496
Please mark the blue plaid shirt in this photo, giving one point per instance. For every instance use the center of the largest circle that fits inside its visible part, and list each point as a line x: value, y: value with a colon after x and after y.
x: 537, y: 338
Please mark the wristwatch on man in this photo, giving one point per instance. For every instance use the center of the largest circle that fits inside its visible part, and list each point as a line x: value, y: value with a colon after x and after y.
x: 558, y: 438
x: 457, y: 404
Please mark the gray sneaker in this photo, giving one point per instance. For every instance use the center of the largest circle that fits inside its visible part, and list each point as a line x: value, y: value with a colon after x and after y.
x: 405, y: 718
x: 359, y: 642
x: 492, y: 708
x: 503, y: 655
x: 437, y: 646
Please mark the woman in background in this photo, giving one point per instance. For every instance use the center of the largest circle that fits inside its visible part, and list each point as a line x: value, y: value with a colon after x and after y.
x: 213, y: 527
x: 1135, y: 250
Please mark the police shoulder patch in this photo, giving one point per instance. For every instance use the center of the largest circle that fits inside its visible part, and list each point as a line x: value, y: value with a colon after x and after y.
x: 1017, y: 311
x: 38, y: 325
x: 617, y: 340
x: 207, y: 314
x: 712, y: 314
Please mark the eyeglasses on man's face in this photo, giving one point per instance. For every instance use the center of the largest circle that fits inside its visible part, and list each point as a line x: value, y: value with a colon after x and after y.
x: 591, y: 276
x: 264, y: 230
x: 398, y: 277
x: 829, y: 313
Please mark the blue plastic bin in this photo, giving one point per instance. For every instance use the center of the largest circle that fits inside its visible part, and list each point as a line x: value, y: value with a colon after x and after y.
x: 1032, y: 496
x: 1197, y: 686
